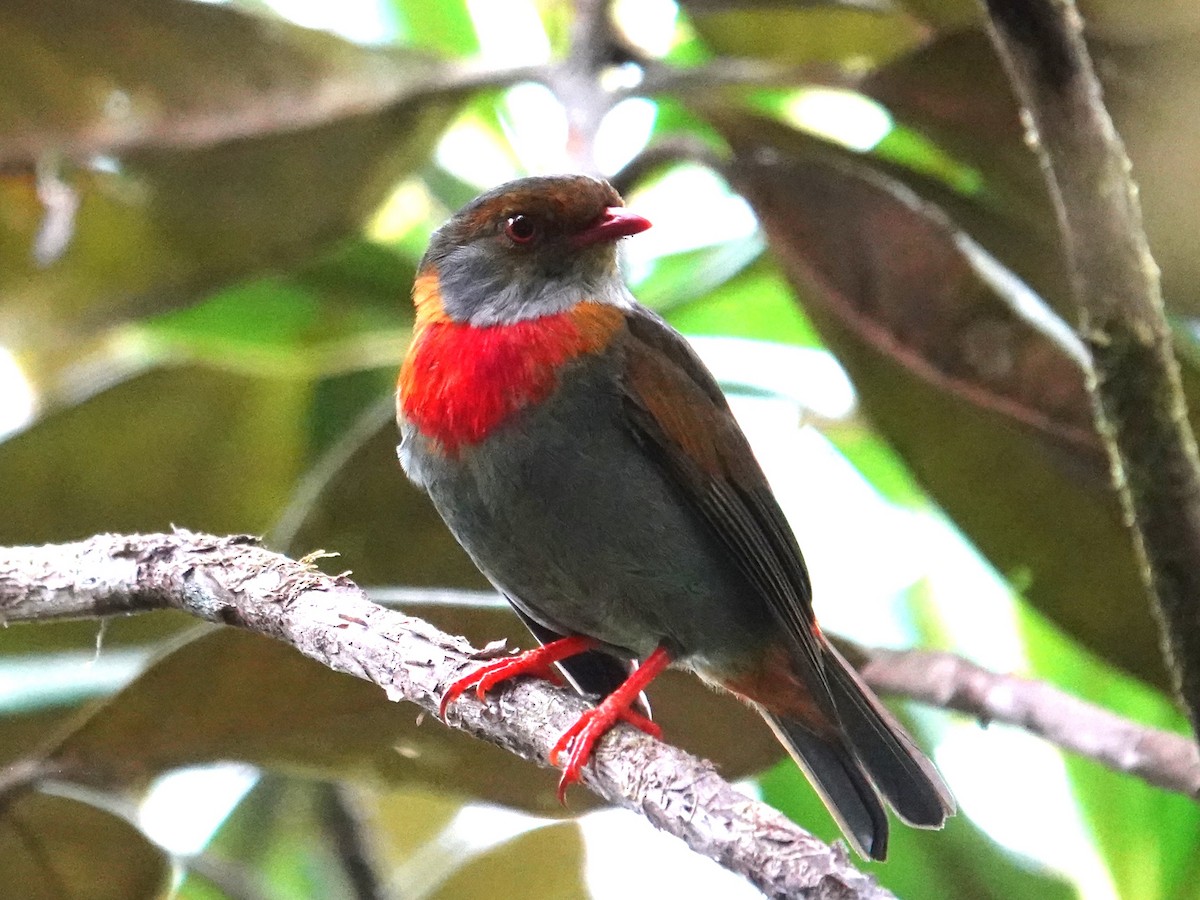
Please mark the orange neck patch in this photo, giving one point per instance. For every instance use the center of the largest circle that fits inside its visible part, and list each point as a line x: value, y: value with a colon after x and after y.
x: 459, y: 382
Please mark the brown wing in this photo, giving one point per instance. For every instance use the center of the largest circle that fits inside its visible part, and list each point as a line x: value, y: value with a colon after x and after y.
x: 678, y: 413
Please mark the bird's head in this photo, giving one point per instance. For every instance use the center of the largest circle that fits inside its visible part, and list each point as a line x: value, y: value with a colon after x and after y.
x: 530, y: 248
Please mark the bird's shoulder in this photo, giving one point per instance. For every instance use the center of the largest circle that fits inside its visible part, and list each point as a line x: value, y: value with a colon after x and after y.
x: 672, y: 396
x: 680, y: 417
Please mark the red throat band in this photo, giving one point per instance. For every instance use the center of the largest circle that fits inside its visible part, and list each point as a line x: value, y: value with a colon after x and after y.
x: 460, y: 381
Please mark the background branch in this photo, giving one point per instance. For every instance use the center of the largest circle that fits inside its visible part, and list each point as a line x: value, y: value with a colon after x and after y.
x: 235, y: 581
x: 348, y: 834
x: 1161, y: 758
x: 682, y: 148
x: 1140, y: 408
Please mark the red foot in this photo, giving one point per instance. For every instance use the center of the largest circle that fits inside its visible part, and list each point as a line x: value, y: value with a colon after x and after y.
x: 578, y: 740
x: 538, y: 662
x: 641, y: 723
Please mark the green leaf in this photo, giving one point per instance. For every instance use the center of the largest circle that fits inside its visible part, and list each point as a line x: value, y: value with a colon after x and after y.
x: 948, y: 139
x: 357, y: 501
x: 945, y: 15
x: 25, y: 733
x: 83, y: 637
x: 956, y: 94
x: 333, y: 317
x: 807, y: 32
x: 149, y: 74
x: 505, y: 871
x: 1152, y: 90
x: 1142, y: 23
x: 407, y: 820
x: 234, y: 699
x: 755, y: 303
x: 54, y: 847
x: 879, y: 464
x: 232, y: 695
x: 1146, y: 862
x: 197, y: 143
x: 445, y: 26
x: 278, y: 839
x: 672, y: 118
x: 188, y: 446
x: 683, y: 277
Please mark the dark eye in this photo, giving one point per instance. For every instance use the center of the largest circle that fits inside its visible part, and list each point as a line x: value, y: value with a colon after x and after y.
x: 520, y: 229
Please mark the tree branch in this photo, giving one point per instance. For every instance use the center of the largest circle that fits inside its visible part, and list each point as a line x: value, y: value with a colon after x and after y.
x: 1162, y: 758
x: 680, y: 148
x: 235, y: 581
x: 577, y: 82
x: 944, y: 680
x: 1140, y: 408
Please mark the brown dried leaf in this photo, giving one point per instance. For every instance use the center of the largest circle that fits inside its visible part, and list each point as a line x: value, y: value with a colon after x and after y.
x: 992, y: 416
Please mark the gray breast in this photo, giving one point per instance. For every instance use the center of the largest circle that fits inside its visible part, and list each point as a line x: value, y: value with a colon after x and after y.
x: 566, y: 514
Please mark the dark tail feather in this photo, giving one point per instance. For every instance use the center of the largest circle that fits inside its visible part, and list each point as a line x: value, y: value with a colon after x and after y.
x: 903, y: 774
x: 840, y: 781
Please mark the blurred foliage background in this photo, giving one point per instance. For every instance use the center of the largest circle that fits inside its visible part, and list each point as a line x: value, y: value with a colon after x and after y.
x: 210, y: 214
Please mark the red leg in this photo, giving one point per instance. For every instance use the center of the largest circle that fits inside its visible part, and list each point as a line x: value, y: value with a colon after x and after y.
x: 641, y: 723
x: 578, y: 740
x: 538, y: 662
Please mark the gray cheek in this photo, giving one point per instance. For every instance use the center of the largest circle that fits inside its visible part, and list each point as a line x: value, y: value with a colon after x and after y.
x: 477, y: 288
x: 470, y: 282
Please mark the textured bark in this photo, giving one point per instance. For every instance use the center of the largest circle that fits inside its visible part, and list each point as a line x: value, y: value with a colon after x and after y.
x: 234, y: 581
x: 1139, y: 403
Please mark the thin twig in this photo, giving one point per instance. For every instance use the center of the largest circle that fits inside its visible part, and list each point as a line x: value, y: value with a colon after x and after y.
x: 1139, y: 403
x: 680, y: 148
x: 344, y: 824
x: 311, y: 486
x: 577, y: 83
x: 234, y: 581
x: 1162, y: 758
x: 18, y: 776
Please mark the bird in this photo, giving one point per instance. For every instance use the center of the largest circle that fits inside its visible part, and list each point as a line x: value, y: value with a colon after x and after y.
x: 590, y: 466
